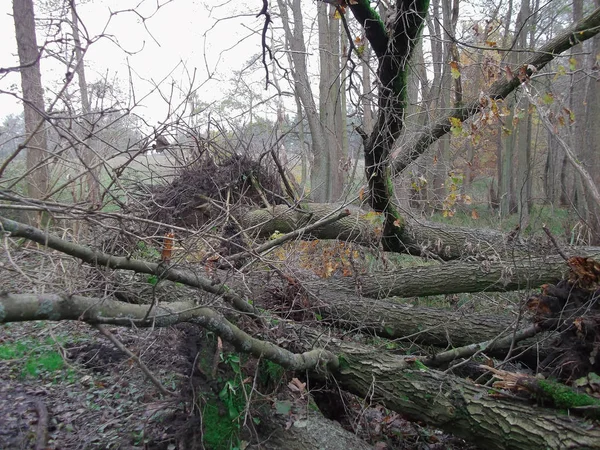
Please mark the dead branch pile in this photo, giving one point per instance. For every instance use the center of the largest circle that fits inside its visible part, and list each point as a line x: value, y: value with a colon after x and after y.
x: 571, y: 308
x: 202, y: 191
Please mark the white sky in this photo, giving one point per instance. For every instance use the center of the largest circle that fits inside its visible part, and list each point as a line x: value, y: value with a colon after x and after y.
x: 185, y: 35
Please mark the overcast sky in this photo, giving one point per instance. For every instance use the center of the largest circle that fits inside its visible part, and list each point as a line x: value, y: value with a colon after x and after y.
x: 183, y: 36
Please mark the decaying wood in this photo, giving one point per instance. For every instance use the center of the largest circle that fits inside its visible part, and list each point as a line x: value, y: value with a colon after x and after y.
x: 571, y: 308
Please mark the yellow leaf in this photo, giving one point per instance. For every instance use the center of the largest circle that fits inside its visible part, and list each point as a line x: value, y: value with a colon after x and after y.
x: 572, y: 64
x: 474, y: 214
x: 548, y: 98
x: 454, y: 69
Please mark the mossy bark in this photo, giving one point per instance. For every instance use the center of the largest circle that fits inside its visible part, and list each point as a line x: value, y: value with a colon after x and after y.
x: 458, y: 406
x: 393, y: 46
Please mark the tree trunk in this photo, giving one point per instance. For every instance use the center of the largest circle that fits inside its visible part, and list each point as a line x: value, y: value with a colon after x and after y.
x: 89, y: 141
x: 303, y: 90
x: 33, y: 95
x: 394, y: 320
x: 367, y: 89
x: 316, y: 433
x: 455, y: 405
x: 449, y: 278
x: 418, y: 237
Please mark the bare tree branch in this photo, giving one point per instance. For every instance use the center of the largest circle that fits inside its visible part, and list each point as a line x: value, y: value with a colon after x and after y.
x: 584, y: 30
x: 96, y: 257
x: 26, y: 307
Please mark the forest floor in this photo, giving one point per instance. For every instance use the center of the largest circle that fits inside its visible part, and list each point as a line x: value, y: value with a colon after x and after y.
x: 67, y: 381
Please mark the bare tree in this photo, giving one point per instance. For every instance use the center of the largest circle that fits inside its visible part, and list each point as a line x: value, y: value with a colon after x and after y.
x: 33, y: 98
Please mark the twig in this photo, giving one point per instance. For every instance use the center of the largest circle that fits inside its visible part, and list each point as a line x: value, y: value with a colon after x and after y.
x: 475, y: 349
x: 41, y: 434
x: 111, y: 337
x: 260, y: 190
x: 553, y: 240
x: 288, y: 187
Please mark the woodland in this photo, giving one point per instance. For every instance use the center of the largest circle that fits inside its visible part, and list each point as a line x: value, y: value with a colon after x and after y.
x: 382, y: 232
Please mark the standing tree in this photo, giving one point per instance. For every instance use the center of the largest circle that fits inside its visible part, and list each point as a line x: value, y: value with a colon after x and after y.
x: 33, y: 98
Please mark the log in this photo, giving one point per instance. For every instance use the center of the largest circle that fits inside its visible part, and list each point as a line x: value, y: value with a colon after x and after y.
x: 394, y: 320
x: 419, y: 237
x: 449, y: 278
x: 314, y: 432
x: 450, y: 403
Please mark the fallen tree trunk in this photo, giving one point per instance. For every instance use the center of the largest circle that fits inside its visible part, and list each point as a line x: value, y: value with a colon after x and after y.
x: 418, y: 237
x: 394, y: 320
x: 449, y: 278
x: 449, y: 403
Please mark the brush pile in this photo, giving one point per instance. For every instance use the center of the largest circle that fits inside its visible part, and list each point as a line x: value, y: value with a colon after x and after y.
x: 571, y: 308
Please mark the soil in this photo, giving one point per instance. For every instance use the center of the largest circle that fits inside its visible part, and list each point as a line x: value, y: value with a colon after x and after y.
x: 99, y: 398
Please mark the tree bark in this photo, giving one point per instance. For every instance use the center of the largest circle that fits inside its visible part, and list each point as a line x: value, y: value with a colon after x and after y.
x: 449, y: 278
x: 318, y: 433
x: 452, y: 404
x: 392, y: 319
x: 33, y: 97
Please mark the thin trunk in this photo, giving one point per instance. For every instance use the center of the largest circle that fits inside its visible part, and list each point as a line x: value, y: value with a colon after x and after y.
x: 523, y: 130
x: 367, y: 89
x: 321, y: 178
x: 504, y: 150
x: 90, y: 144
x: 337, y: 104
x: 303, y: 91
x: 33, y: 95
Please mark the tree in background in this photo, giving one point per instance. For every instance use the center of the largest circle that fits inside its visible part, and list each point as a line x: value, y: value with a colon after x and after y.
x: 33, y: 99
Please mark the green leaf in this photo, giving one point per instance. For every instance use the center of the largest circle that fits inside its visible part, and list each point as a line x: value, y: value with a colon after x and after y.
x: 572, y: 64
x: 548, y: 98
x: 283, y: 407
